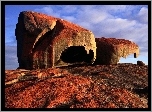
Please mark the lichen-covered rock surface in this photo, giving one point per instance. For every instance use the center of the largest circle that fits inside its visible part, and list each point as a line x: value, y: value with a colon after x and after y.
x: 110, y: 50
x: 98, y: 86
x: 41, y: 39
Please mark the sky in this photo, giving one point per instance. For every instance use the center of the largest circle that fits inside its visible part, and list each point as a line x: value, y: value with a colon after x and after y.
x: 128, y: 22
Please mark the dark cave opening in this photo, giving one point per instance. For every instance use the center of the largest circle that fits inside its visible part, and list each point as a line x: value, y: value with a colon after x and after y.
x: 76, y: 54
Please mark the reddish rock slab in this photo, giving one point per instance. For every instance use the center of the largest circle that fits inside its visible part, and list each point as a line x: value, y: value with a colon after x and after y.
x: 45, y: 41
x: 109, y: 50
x: 87, y: 87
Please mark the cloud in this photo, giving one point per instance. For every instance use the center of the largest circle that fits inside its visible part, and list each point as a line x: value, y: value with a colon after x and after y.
x: 60, y: 11
x: 143, y: 15
x: 69, y: 9
x: 69, y: 18
x: 11, y: 57
x: 48, y: 10
x: 10, y: 40
x: 114, y: 27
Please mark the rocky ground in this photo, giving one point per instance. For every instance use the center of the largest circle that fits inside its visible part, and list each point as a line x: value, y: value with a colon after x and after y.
x: 87, y: 86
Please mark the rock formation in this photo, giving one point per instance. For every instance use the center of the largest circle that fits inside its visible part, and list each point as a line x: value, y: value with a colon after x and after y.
x: 140, y: 63
x: 99, y: 86
x: 109, y: 50
x: 44, y: 41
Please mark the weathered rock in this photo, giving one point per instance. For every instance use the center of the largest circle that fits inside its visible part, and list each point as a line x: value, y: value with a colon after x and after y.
x: 109, y: 50
x: 100, y: 86
x: 44, y: 41
x: 140, y: 63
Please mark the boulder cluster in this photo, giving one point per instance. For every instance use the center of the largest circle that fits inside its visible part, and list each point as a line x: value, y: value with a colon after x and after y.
x: 45, y: 41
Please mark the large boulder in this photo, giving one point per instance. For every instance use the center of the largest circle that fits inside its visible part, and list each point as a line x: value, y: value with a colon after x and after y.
x: 45, y: 41
x: 110, y: 50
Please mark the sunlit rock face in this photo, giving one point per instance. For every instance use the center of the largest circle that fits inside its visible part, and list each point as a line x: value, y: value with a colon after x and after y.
x: 110, y: 50
x: 45, y: 41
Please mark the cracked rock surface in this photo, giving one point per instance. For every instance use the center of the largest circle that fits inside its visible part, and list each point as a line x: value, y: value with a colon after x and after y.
x: 85, y: 86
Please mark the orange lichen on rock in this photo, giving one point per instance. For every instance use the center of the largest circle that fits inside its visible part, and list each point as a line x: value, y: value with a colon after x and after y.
x: 45, y: 41
x: 80, y: 89
x: 42, y: 39
x: 109, y: 50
